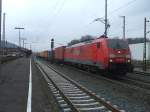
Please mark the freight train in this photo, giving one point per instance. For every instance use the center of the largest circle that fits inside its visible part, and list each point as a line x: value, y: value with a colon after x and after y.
x: 45, y: 54
x: 111, y: 55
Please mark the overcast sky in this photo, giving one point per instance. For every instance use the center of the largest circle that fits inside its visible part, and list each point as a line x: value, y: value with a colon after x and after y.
x: 65, y: 20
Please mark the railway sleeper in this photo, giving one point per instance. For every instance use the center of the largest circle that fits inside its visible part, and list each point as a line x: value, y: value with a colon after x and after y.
x: 83, y: 103
x: 100, y: 108
x: 73, y: 92
x: 78, y: 97
x: 76, y: 94
x: 87, y: 104
x: 67, y: 110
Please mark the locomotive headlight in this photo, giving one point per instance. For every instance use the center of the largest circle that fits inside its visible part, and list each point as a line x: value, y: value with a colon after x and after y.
x: 110, y: 60
x: 128, y: 60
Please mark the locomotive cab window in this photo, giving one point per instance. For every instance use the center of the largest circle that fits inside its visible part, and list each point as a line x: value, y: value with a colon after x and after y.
x: 98, y: 45
x: 117, y: 44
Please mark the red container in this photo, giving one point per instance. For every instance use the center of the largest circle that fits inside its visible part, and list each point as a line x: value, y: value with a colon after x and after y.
x: 59, y: 53
x: 44, y: 54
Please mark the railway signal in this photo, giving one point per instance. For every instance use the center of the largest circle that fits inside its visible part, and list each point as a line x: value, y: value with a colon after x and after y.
x: 52, y: 43
x: 52, y: 50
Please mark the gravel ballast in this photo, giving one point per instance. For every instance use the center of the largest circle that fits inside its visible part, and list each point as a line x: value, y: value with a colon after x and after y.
x: 118, y: 95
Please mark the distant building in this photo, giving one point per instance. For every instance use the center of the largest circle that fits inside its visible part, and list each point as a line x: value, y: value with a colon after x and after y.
x: 8, y: 45
x: 137, y: 51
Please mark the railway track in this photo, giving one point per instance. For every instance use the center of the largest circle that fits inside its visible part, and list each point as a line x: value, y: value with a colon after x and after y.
x: 138, y: 78
x: 142, y: 73
x: 71, y: 96
x: 127, y: 81
x: 133, y: 84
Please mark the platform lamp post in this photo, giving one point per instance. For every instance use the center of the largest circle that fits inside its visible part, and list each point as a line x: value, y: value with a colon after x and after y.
x: 30, y: 46
x: 52, y: 50
x: 19, y: 28
x: 23, y: 40
x: 25, y: 45
x: 0, y: 24
x: 3, y: 35
x: 144, y: 51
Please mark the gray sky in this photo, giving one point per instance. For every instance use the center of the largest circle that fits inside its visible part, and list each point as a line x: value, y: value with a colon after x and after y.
x: 65, y: 20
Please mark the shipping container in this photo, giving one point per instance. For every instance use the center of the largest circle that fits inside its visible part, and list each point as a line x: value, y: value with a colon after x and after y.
x: 59, y: 54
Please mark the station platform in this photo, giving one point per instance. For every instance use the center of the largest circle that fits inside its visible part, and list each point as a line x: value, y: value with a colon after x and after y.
x: 14, y: 87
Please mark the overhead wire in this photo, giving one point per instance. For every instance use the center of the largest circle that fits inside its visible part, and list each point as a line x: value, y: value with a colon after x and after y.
x: 58, y: 10
x: 61, y: 6
x: 110, y: 13
x: 121, y: 7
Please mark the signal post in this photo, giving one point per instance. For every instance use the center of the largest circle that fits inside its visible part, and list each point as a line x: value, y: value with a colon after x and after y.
x: 52, y: 50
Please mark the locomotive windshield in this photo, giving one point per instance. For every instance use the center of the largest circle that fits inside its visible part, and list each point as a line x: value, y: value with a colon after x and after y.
x: 117, y: 44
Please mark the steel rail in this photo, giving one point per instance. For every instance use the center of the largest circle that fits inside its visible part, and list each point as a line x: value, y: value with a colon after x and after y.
x: 141, y: 73
x: 73, y: 106
x: 134, y: 87
x: 74, y: 109
x: 107, y: 104
x: 136, y: 82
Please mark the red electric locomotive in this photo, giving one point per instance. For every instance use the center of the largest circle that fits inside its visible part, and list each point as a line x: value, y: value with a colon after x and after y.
x: 101, y: 53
